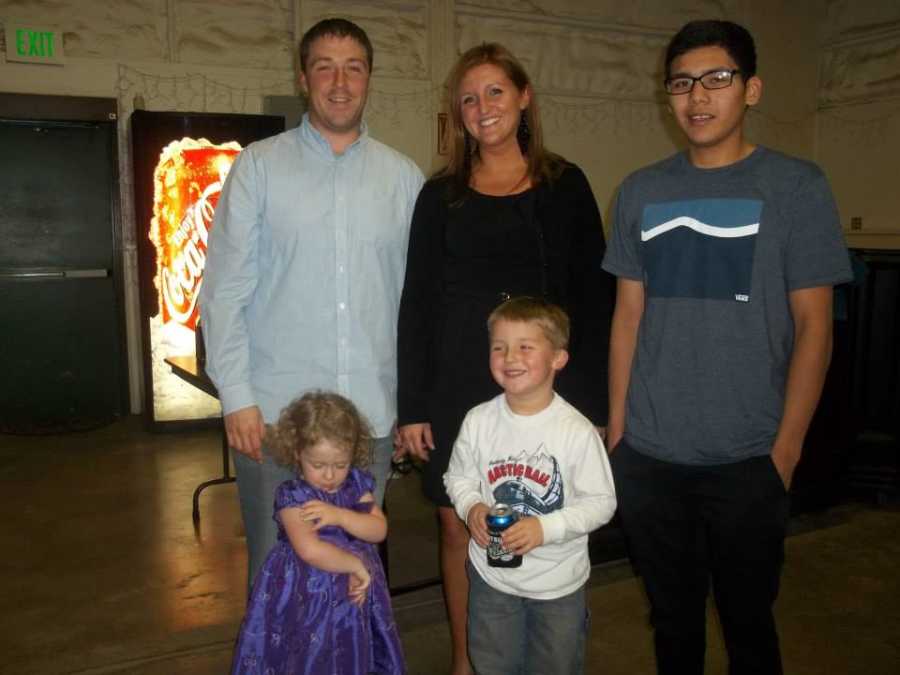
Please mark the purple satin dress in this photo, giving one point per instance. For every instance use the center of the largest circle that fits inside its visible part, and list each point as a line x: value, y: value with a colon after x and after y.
x: 299, y: 619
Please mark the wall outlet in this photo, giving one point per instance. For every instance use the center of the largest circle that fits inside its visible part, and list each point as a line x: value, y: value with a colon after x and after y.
x: 856, y: 223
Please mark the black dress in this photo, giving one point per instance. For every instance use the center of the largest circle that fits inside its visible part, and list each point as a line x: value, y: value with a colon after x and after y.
x: 466, y: 259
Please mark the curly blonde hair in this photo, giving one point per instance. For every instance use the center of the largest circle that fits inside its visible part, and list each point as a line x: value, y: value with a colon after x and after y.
x: 314, y: 417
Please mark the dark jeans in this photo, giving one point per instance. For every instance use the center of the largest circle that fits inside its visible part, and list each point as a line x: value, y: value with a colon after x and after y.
x: 686, y: 525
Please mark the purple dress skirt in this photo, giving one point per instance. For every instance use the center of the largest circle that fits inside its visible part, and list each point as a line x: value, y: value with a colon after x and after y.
x: 299, y: 620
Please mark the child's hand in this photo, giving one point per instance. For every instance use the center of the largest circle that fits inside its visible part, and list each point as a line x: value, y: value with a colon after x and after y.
x: 525, y: 535
x: 476, y: 521
x: 323, y: 514
x: 358, y: 584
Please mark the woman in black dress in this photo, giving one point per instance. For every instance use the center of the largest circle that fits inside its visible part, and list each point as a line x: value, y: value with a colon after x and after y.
x: 505, y: 217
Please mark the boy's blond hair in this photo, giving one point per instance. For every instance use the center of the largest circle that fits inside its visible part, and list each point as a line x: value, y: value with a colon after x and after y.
x: 552, y: 319
x: 314, y: 417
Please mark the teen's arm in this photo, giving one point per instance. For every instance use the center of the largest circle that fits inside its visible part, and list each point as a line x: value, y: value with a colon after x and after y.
x: 811, y: 354
x: 370, y: 527
x: 622, y: 342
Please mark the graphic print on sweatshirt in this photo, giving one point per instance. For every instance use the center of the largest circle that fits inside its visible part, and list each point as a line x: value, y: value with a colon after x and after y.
x: 700, y: 248
x: 529, y: 482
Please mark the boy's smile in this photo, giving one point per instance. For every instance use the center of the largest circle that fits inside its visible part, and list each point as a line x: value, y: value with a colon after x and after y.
x: 524, y: 362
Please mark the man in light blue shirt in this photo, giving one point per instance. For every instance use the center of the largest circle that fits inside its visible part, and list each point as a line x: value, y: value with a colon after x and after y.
x: 306, y: 261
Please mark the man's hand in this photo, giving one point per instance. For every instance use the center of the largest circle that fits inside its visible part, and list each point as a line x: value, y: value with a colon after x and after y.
x: 322, y: 514
x: 525, y: 535
x: 416, y: 440
x: 476, y: 521
x: 245, y: 429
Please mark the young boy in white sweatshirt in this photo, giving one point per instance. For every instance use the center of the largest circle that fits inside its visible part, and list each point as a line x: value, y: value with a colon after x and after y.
x: 530, y: 449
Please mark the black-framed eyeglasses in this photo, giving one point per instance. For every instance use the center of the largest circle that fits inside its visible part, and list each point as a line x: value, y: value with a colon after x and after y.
x: 714, y: 79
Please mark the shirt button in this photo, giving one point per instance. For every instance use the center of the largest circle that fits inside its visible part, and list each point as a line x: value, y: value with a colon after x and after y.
x: 341, y: 306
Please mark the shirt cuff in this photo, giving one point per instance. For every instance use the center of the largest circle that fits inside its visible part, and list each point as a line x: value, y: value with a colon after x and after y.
x: 463, y: 508
x: 554, y: 527
x: 236, y: 397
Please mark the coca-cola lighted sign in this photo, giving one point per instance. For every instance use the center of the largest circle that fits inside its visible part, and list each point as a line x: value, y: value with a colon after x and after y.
x: 187, y: 182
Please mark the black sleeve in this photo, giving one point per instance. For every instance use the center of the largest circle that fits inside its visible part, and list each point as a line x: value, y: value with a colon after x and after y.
x: 418, y: 306
x: 589, y: 299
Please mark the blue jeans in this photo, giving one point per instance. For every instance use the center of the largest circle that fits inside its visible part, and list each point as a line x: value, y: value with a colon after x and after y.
x: 256, y: 491
x: 512, y: 635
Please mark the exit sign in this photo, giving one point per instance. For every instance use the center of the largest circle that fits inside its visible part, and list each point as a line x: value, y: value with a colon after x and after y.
x: 30, y: 43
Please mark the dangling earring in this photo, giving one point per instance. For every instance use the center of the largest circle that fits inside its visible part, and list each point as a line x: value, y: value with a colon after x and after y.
x: 471, y: 147
x: 523, y: 133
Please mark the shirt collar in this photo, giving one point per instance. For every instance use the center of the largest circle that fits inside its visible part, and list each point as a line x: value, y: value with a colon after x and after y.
x: 314, y: 137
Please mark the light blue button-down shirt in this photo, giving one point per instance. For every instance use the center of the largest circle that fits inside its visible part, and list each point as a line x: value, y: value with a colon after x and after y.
x: 306, y: 262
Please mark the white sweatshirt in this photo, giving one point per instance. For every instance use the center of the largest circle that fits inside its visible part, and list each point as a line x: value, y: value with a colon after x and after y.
x: 551, y: 465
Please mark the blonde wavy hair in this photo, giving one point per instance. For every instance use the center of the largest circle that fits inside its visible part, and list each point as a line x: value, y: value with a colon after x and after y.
x: 314, y: 417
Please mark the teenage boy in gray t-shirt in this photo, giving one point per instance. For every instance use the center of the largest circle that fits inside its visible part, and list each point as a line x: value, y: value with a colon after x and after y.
x: 725, y: 255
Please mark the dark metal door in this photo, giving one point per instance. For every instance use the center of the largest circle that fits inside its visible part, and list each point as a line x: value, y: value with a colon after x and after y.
x: 62, y: 353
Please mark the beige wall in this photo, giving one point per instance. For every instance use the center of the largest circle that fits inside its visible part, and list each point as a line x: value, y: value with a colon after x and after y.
x: 831, y: 75
x: 858, y: 140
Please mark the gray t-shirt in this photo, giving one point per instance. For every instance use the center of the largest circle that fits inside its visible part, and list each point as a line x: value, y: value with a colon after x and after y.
x: 719, y: 251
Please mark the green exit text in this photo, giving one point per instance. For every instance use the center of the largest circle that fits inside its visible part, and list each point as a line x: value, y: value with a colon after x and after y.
x: 34, y: 43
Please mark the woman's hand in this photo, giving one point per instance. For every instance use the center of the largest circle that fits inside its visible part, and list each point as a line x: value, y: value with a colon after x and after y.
x: 415, y: 440
x: 322, y: 514
x: 358, y: 584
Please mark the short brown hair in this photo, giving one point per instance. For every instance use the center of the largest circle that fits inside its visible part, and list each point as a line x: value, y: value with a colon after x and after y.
x: 335, y: 27
x: 314, y: 417
x: 551, y: 318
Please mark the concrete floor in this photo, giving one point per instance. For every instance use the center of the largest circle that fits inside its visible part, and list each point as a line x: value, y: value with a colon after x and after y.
x: 104, y: 572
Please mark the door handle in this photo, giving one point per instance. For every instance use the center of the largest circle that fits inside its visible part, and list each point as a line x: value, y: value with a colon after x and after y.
x: 25, y: 274
x: 87, y: 274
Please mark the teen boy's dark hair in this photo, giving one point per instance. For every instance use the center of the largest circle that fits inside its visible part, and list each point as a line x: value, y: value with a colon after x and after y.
x: 334, y: 28
x: 734, y: 39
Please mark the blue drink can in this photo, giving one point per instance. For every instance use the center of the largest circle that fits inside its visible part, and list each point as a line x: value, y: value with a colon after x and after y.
x: 500, y: 517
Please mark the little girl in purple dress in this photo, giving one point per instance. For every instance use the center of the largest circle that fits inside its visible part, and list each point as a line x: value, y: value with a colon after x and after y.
x: 320, y: 603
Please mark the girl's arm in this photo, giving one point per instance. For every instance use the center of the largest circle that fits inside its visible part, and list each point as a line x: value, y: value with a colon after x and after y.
x: 370, y: 527
x: 313, y: 551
